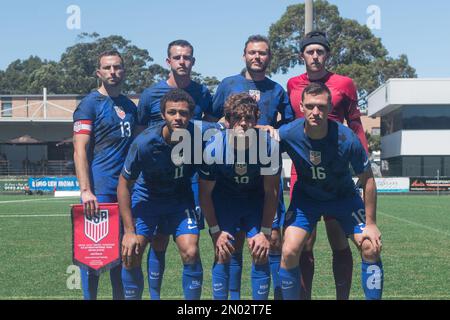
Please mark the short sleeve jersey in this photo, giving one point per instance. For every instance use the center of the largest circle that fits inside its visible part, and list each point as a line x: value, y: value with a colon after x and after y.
x: 111, y: 122
x: 159, y: 179
x: 271, y: 97
x: 149, y: 107
x: 245, y: 179
x: 343, y: 95
x: 323, y: 165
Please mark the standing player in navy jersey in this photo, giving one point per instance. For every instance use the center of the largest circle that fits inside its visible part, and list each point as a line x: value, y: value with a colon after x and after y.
x: 180, y: 59
x: 103, y: 127
x: 236, y: 194
x: 322, y: 151
x: 273, y: 103
x: 162, y: 197
x: 315, y: 50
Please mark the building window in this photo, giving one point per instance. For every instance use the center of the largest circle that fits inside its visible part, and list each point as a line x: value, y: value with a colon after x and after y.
x: 412, y: 166
x: 426, y: 117
x: 6, y: 107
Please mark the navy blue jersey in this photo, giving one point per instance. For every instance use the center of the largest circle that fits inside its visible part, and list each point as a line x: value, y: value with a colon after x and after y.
x: 240, y: 179
x: 149, y: 108
x: 271, y: 98
x: 323, y: 166
x: 159, y: 179
x: 110, y: 122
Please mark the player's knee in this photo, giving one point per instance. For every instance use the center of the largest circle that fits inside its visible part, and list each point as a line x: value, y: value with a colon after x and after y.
x: 368, y: 252
x: 189, y: 254
x: 290, y: 254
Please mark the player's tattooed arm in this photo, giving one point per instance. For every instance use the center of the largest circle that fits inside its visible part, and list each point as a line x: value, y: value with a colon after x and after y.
x: 80, y: 156
x: 371, y: 231
x: 130, y: 243
x: 221, y: 239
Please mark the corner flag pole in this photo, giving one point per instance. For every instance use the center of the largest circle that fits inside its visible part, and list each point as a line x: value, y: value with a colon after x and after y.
x: 309, y: 15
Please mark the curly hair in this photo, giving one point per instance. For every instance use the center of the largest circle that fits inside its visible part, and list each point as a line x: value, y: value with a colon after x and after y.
x: 239, y: 105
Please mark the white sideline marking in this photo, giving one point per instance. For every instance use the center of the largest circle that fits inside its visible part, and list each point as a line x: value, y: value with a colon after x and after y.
x: 32, y: 215
x: 29, y: 200
x: 415, y: 223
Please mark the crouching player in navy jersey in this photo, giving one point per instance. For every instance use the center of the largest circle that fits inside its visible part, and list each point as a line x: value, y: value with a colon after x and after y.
x: 238, y: 193
x: 103, y: 128
x: 322, y: 151
x: 162, y: 197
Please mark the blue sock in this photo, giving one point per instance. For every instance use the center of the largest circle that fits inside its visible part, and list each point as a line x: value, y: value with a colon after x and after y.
x: 89, y: 284
x: 274, y: 260
x: 372, y: 278
x: 115, y: 274
x: 290, y: 283
x: 156, y: 263
x: 260, y: 277
x: 220, y: 276
x: 193, y: 280
x: 234, y: 283
x: 133, y: 283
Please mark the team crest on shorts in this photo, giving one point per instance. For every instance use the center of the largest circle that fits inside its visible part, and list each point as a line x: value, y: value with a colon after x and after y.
x: 97, y: 227
x: 240, y: 168
x: 120, y: 113
x: 255, y: 94
x: 315, y: 157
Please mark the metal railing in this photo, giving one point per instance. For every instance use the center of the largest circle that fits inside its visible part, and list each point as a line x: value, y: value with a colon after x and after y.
x: 39, y: 168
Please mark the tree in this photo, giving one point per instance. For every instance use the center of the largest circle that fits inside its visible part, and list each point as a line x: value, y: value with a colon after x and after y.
x: 374, y: 142
x: 210, y: 82
x: 75, y: 72
x: 79, y: 63
x: 15, y: 79
x: 356, y: 52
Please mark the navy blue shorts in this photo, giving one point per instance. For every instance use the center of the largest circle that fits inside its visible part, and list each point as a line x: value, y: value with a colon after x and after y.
x: 305, y: 213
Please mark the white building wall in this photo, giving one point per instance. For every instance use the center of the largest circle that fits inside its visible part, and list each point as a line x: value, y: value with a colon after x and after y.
x: 416, y: 142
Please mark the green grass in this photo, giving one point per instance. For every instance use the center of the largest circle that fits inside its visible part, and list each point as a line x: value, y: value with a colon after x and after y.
x: 35, y: 252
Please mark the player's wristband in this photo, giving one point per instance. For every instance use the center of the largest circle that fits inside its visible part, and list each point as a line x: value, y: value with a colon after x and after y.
x: 266, y: 231
x: 214, y: 229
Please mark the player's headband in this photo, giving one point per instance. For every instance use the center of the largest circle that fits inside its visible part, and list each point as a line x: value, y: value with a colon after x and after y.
x: 314, y: 38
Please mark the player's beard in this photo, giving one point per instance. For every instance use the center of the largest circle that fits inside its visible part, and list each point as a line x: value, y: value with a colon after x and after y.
x: 262, y: 70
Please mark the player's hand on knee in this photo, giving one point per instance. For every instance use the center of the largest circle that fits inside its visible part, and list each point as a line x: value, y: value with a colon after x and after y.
x: 130, y: 249
x: 259, y: 246
x: 90, y: 203
x: 224, y: 247
x: 373, y: 234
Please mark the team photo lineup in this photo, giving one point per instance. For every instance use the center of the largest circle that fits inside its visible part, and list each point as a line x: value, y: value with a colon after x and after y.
x: 184, y: 160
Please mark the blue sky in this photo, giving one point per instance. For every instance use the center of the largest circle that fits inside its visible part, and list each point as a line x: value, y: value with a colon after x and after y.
x: 217, y: 29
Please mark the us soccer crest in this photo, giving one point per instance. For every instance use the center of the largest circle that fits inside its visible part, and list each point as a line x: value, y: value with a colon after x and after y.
x: 120, y: 113
x: 240, y: 168
x: 96, y: 228
x: 315, y: 157
x: 255, y: 94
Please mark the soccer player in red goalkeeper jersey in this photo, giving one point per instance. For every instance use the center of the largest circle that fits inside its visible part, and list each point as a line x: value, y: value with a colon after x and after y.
x: 315, y: 50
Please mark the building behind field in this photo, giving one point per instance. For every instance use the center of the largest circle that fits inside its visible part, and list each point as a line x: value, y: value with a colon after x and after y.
x: 36, y: 134
x: 415, y: 126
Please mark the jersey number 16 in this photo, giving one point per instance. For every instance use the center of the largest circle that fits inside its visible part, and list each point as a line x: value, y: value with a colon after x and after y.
x: 318, y: 173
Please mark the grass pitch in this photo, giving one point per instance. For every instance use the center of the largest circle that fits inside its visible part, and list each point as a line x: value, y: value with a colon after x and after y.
x: 35, y: 252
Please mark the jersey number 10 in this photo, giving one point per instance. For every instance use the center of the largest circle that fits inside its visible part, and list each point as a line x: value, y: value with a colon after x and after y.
x: 318, y: 173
